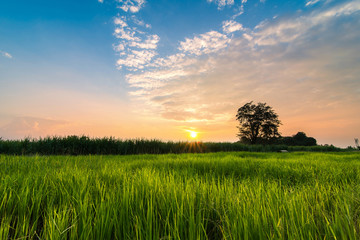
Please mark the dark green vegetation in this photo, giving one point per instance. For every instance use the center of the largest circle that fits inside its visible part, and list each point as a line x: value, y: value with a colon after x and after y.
x: 74, y: 145
x: 299, y: 139
x: 257, y: 122
x: 185, y: 196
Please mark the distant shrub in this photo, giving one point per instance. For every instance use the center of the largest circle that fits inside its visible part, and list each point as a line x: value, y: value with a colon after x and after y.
x: 299, y: 139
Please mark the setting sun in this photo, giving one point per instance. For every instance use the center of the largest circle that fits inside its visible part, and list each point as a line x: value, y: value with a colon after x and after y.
x: 193, y: 134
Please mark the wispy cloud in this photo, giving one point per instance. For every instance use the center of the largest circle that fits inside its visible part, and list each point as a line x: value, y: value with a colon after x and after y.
x: 221, y: 3
x: 311, y: 2
x: 268, y: 33
x: 231, y: 26
x: 136, y: 59
x: 131, y: 5
x: 140, y: 22
x: 100, y: 1
x: 204, y: 43
x: 239, y: 6
x: 150, y: 42
x: 120, y: 21
x: 126, y: 34
x: 6, y: 54
x: 136, y: 46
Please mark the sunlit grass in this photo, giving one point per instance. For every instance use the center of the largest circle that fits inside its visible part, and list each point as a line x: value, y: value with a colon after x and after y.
x: 188, y: 196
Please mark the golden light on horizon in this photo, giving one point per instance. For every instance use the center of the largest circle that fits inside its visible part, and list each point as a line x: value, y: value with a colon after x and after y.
x: 193, y: 134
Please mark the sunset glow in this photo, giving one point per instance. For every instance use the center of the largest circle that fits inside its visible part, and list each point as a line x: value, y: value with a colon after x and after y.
x: 193, y: 134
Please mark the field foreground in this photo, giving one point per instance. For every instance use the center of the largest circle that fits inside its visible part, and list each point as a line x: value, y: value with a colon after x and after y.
x: 188, y: 196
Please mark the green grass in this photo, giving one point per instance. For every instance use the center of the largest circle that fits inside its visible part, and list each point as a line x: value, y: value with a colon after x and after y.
x: 237, y: 195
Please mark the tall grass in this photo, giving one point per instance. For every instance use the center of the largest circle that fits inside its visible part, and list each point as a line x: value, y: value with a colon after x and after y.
x: 75, y: 145
x: 189, y: 196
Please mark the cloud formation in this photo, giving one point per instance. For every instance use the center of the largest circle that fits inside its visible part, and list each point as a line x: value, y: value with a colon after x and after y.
x: 311, y: 2
x: 231, y: 26
x: 293, y: 60
x: 132, y: 6
x: 309, y: 62
x: 136, y: 48
x: 289, y: 30
x: 204, y: 43
x: 6, y: 54
x: 221, y: 3
x: 136, y: 59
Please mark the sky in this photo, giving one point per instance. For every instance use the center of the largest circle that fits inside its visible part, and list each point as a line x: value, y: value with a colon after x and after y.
x: 160, y: 69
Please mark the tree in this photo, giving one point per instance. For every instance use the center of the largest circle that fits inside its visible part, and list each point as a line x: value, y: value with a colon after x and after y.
x: 301, y: 139
x: 257, y: 122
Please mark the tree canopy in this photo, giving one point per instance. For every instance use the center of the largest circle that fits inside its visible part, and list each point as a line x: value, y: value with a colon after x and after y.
x: 299, y: 139
x: 257, y: 121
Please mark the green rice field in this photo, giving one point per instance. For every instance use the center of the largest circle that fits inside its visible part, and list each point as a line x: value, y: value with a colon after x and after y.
x: 238, y: 195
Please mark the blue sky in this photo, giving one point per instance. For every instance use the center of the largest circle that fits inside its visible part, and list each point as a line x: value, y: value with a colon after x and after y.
x: 156, y: 69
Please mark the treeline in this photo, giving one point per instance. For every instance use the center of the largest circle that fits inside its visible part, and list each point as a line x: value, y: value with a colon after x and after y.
x: 83, y: 145
x: 299, y: 139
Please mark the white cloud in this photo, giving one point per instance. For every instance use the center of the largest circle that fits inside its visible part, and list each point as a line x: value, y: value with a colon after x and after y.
x: 231, y: 26
x: 240, y: 11
x: 127, y: 34
x: 6, y: 54
x: 135, y: 44
x: 131, y: 5
x: 176, y: 61
x: 136, y: 59
x: 222, y: 3
x: 288, y: 30
x: 247, y: 37
x: 311, y: 2
x: 240, y: 8
x: 154, y: 80
x: 119, y: 48
x: 139, y: 22
x: 100, y: 1
x: 131, y: 41
x: 149, y: 43
x: 204, y: 43
x: 120, y: 21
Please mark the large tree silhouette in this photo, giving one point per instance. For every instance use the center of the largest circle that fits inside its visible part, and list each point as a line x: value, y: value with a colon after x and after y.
x: 257, y: 122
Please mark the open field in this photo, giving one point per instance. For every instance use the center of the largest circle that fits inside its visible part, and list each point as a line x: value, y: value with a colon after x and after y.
x: 237, y: 195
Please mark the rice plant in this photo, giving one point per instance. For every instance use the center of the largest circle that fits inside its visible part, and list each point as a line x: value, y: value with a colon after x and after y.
x: 239, y: 195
